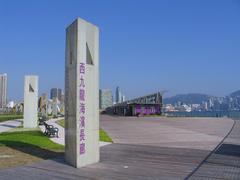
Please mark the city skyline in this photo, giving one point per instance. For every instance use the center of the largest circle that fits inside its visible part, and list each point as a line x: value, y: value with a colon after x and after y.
x: 160, y: 46
x: 56, y: 93
x: 3, y: 90
x: 105, y: 98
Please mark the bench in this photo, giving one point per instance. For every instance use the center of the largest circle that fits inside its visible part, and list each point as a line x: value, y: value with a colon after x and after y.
x: 41, y: 120
x: 50, y: 130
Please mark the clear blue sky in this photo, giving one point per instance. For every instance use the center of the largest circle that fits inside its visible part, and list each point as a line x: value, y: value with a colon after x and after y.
x: 145, y: 45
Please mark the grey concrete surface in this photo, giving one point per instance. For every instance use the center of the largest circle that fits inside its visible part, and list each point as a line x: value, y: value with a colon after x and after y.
x: 8, y: 125
x: 82, y: 93
x: 193, y: 133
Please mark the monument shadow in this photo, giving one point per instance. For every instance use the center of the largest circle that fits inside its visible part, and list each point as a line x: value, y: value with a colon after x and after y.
x: 32, y: 149
x: 229, y: 150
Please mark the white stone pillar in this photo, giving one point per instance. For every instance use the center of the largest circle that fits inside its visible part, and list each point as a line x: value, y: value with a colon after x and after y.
x: 30, y: 102
x: 81, y: 94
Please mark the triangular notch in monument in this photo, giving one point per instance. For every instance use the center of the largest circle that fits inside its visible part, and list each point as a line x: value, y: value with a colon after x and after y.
x: 89, y: 56
x: 31, y: 88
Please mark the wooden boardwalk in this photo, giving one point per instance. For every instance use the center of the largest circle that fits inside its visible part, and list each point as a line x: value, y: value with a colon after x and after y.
x: 118, y: 161
x: 224, y: 162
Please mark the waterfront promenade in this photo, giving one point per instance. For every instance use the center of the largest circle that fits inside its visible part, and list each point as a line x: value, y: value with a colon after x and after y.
x: 153, y: 148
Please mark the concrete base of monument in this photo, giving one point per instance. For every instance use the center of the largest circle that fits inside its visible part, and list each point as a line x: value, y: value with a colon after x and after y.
x: 61, y: 134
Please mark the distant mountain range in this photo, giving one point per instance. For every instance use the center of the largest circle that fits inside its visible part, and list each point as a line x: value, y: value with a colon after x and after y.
x: 235, y: 94
x: 192, y: 98
x: 195, y: 98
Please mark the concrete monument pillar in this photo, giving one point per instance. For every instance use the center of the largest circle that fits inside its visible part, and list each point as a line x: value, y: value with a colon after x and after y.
x: 30, y: 102
x: 81, y: 94
x: 55, y: 107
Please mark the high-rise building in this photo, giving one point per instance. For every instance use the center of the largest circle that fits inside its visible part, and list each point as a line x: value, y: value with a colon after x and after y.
x: 105, y: 98
x: 118, y: 95
x: 56, y: 93
x: 3, y: 90
x: 123, y: 98
x: 42, y: 104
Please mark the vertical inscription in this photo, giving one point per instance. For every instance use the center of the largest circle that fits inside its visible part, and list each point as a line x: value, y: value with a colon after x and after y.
x: 82, y: 98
